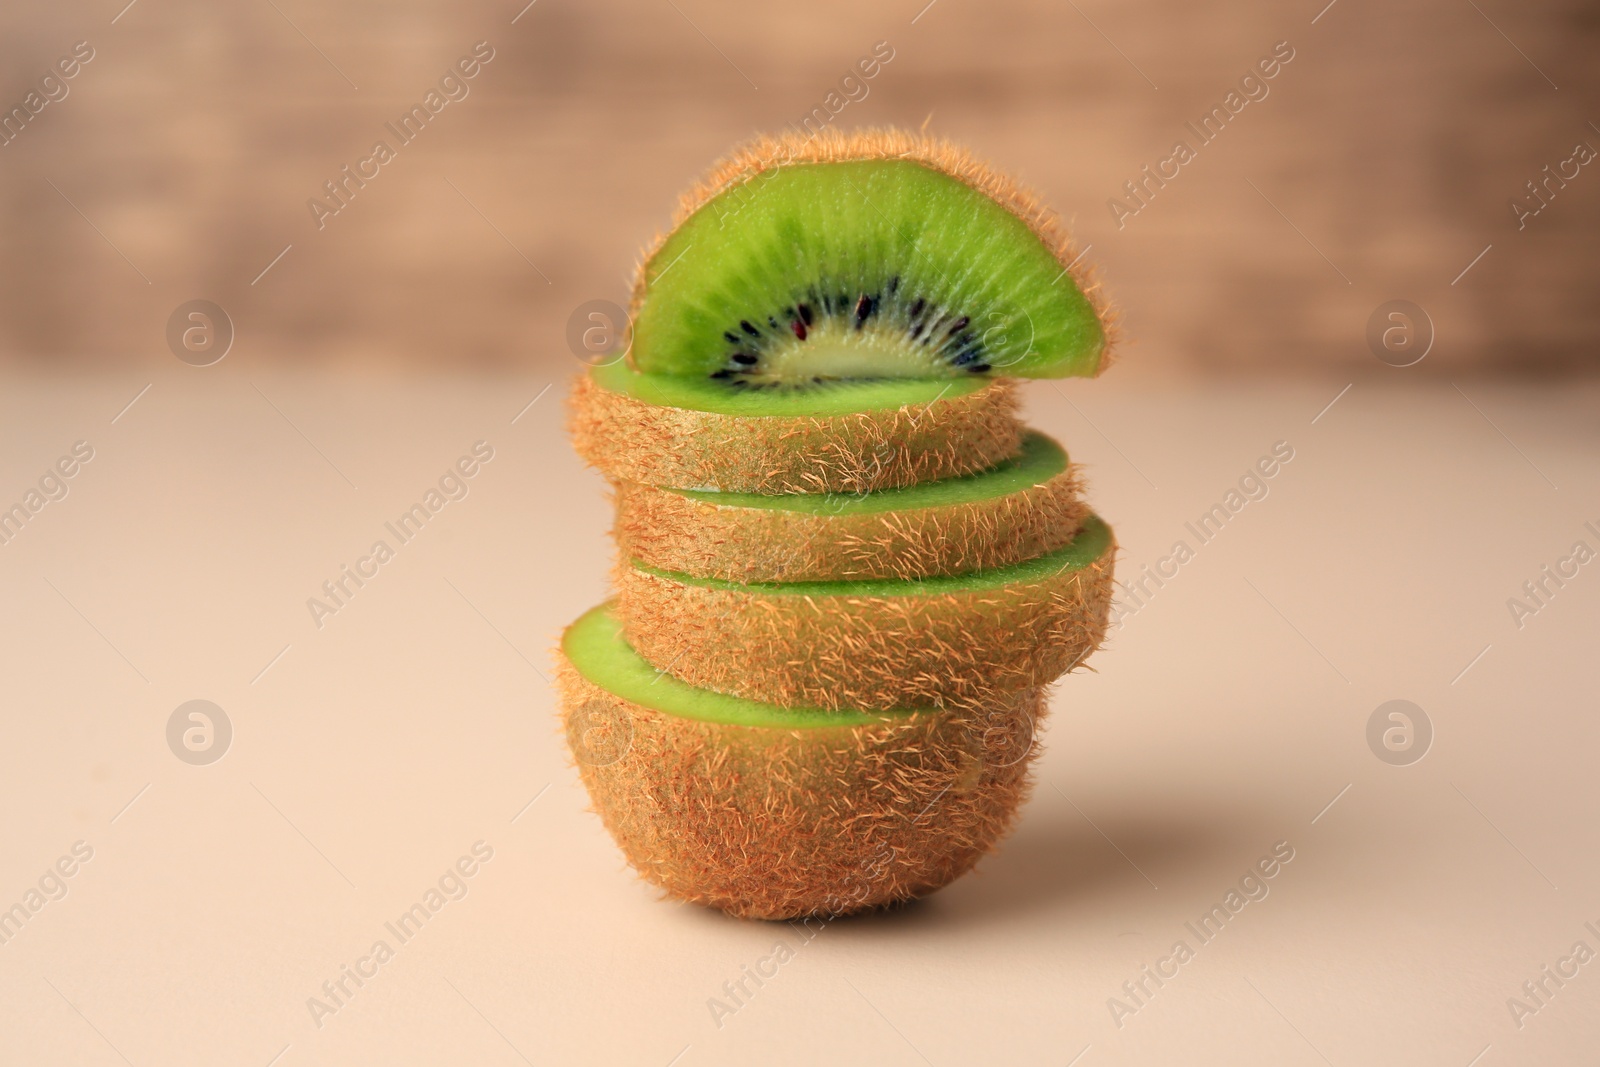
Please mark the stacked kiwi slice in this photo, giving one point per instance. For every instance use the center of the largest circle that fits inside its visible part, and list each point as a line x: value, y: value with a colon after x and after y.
x: 847, y: 572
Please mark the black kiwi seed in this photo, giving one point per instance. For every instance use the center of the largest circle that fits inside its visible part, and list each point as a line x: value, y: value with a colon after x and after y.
x: 732, y: 338
x: 864, y: 309
x: 916, y: 308
x: 744, y: 324
x: 805, y: 313
x: 745, y: 359
x: 960, y: 324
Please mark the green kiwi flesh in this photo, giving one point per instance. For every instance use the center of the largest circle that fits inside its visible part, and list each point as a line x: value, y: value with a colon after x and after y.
x: 859, y: 269
x: 596, y: 648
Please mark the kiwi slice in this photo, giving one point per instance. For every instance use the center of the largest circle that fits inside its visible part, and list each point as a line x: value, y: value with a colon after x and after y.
x: 881, y: 643
x: 878, y: 254
x: 838, y: 437
x: 1019, y: 509
x: 777, y: 813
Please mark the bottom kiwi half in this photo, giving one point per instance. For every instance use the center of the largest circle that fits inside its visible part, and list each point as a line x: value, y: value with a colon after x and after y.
x: 776, y: 813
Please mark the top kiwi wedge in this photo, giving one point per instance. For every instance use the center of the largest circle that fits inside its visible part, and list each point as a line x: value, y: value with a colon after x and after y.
x: 801, y: 264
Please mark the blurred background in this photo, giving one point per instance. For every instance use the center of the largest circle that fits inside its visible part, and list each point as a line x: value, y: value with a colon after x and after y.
x: 1381, y: 164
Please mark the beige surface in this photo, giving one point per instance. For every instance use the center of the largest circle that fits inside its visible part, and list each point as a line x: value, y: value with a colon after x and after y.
x: 1226, y: 715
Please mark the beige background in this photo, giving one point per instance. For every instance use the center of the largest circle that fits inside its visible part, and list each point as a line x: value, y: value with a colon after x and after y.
x: 1226, y: 715
x: 1393, y: 142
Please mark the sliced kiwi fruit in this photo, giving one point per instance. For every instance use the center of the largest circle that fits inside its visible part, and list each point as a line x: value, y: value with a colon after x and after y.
x: 946, y: 640
x: 802, y: 261
x: 778, y: 813
x: 1021, y: 508
x: 846, y: 574
x: 839, y: 437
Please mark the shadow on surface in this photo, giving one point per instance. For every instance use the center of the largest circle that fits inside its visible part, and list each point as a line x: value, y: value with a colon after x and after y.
x: 1057, y: 858
x: 1057, y: 861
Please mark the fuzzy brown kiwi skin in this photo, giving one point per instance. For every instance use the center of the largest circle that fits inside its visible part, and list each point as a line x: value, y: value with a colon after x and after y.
x: 634, y: 441
x: 867, y: 652
x: 783, y: 824
x: 706, y: 539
